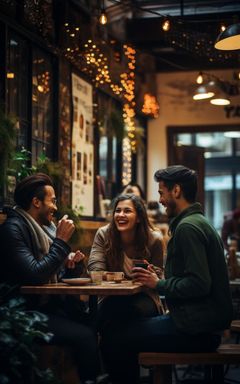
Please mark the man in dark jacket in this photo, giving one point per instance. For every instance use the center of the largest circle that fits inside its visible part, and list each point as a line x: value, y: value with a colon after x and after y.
x: 29, y: 255
x: 195, y: 285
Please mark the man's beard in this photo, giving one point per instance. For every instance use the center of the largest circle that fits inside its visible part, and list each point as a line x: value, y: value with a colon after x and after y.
x: 171, y: 209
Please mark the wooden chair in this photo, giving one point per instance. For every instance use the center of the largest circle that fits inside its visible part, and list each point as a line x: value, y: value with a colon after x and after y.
x: 162, y: 362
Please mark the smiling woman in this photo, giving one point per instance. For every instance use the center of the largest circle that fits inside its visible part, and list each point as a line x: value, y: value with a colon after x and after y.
x: 129, y: 236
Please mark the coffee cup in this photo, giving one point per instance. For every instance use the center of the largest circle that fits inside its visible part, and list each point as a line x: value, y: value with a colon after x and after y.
x: 109, y: 276
x: 118, y: 277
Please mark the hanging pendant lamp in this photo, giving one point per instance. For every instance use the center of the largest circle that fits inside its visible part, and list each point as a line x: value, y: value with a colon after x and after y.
x: 204, y: 91
x: 229, y: 39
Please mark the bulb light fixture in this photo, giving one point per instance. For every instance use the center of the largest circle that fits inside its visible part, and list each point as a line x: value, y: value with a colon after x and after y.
x: 166, y: 25
x: 199, y: 79
x: 220, y: 99
x: 229, y: 39
x: 204, y: 91
x: 103, y: 17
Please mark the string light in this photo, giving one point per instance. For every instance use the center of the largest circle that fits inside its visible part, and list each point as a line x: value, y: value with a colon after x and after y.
x: 96, y: 63
x: 150, y: 105
x: 199, y: 79
x: 127, y: 162
x: 166, y: 25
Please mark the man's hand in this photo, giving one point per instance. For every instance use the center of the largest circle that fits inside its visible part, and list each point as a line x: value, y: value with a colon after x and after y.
x: 73, y: 258
x: 65, y: 229
x: 147, y: 277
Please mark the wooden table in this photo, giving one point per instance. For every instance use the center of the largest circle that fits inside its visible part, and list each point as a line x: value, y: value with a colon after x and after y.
x: 235, y: 291
x: 234, y: 283
x: 105, y: 289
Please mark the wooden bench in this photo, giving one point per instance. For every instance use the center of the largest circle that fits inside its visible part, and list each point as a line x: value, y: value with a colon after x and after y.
x: 162, y: 362
x: 235, y: 326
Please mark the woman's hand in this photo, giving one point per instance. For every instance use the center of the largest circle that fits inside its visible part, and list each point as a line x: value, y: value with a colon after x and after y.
x: 147, y: 277
x: 73, y: 258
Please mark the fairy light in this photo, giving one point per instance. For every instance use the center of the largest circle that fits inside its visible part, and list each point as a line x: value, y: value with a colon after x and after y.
x: 128, y: 84
x: 43, y: 82
x: 150, y: 105
x: 199, y: 79
x: 127, y: 161
x: 95, y: 63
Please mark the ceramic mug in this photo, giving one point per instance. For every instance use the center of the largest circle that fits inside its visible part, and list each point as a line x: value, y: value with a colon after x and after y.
x: 118, y: 277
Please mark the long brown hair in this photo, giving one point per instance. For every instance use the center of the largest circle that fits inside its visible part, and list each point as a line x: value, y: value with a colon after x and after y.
x: 114, y: 249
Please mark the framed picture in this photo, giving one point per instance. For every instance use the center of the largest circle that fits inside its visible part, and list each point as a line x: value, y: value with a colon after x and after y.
x: 82, y: 147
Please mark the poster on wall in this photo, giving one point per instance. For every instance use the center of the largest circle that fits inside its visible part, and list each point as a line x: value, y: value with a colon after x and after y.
x: 82, y: 147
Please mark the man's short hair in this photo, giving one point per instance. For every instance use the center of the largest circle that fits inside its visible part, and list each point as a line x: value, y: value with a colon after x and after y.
x: 178, y: 174
x: 31, y: 186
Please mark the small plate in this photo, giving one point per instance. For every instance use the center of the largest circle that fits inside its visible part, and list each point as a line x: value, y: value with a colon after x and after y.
x: 77, y: 281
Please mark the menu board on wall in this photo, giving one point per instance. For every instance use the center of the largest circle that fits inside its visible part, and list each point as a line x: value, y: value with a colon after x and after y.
x: 82, y: 147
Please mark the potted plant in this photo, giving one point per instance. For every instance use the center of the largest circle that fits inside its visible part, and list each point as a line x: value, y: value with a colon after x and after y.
x: 19, y: 331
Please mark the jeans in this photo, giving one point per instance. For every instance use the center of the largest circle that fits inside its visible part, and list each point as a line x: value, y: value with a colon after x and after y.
x: 82, y: 341
x: 122, y: 342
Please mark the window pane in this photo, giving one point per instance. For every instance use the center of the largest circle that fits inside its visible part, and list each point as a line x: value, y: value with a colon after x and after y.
x: 42, y: 120
x: 17, y: 84
x: 216, y: 144
x: 184, y: 138
x: 218, y: 191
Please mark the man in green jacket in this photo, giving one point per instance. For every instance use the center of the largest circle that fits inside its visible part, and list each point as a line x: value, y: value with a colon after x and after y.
x: 195, y: 285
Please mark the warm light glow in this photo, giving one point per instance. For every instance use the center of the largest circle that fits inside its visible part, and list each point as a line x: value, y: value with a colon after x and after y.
x: 229, y: 39
x: 10, y: 75
x: 220, y: 101
x: 199, y: 79
x: 150, y: 105
x: 103, y: 18
x: 127, y: 161
x: 40, y: 88
x: 166, y: 25
x: 204, y: 92
x: 222, y: 27
x: 202, y: 96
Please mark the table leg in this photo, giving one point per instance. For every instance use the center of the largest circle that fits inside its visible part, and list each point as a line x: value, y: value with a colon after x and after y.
x: 93, y: 309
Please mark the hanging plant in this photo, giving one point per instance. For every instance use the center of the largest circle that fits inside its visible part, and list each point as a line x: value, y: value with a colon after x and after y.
x: 7, y: 145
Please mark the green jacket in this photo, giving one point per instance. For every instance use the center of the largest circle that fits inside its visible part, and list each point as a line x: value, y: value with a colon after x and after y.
x: 196, y: 285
